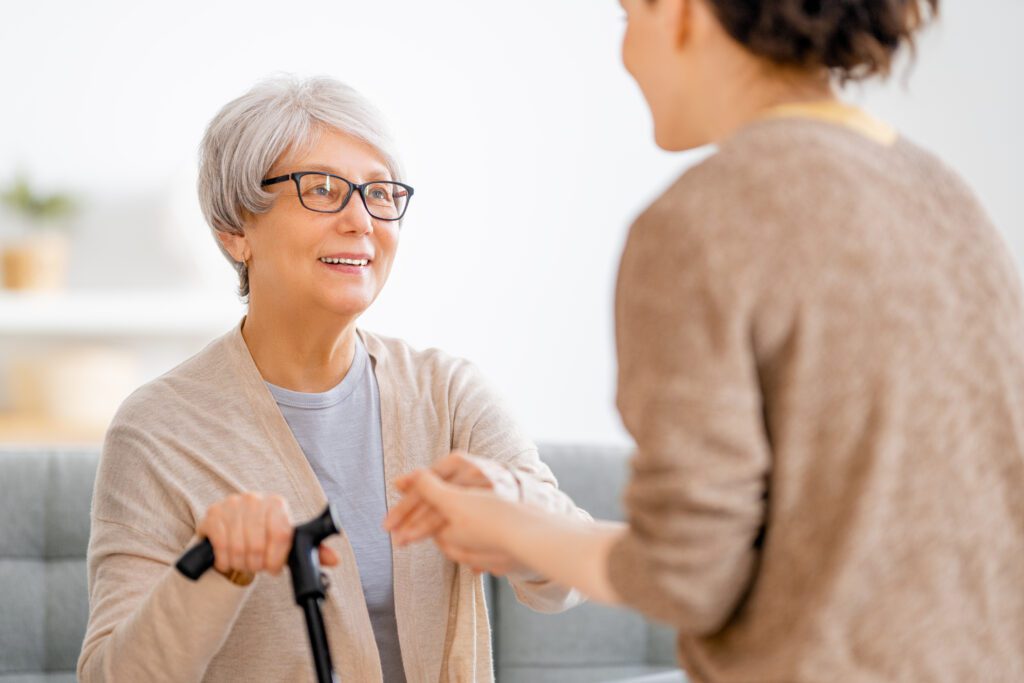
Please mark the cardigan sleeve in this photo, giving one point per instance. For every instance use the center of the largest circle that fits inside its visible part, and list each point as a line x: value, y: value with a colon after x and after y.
x: 689, y: 394
x: 483, y: 426
x: 147, y: 622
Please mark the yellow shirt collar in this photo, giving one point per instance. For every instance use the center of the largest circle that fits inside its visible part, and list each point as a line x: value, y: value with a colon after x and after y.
x: 838, y: 113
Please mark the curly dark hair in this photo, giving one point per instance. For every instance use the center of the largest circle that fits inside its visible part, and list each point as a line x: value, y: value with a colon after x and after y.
x: 854, y: 39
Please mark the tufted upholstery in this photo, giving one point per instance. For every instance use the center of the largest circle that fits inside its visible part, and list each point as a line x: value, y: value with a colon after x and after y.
x: 44, y: 505
x: 591, y: 642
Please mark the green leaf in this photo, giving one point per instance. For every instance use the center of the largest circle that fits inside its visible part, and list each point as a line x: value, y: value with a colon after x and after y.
x: 20, y: 197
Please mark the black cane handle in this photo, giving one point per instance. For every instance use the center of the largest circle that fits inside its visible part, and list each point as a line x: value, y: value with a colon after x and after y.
x: 196, y: 560
x: 308, y: 536
x: 304, y: 564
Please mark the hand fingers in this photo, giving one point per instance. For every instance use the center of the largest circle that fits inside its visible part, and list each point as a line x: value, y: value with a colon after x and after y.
x: 249, y: 532
x: 425, y: 524
x: 449, y: 464
x: 399, y: 513
x: 255, y: 531
x: 328, y: 557
x: 279, y: 534
x: 463, y: 469
x: 495, y: 563
x: 434, y: 491
x: 235, y: 524
x: 214, y: 530
x: 474, y: 471
x: 405, y: 481
x: 398, y: 527
x: 456, y: 468
x: 469, y: 475
x: 445, y: 468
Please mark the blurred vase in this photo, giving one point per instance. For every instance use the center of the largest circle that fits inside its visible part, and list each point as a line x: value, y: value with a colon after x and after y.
x: 36, y: 262
x: 77, y: 386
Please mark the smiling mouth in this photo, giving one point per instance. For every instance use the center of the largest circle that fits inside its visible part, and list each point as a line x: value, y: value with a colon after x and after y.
x: 345, y: 261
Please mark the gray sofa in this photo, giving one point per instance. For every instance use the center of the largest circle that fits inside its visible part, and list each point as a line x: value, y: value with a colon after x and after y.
x: 44, y: 505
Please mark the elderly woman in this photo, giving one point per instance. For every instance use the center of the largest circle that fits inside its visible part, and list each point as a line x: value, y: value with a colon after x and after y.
x: 294, y: 408
x: 819, y: 340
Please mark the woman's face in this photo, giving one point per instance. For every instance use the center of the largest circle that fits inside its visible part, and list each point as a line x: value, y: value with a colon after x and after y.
x: 671, y: 48
x: 648, y: 57
x: 289, y: 244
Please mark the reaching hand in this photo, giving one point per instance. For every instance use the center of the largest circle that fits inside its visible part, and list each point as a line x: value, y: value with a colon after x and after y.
x: 459, y: 487
x: 413, y: 519
x: 471, y: 522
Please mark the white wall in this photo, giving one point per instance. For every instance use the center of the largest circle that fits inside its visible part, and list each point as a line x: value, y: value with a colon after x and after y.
x: 527, y: 143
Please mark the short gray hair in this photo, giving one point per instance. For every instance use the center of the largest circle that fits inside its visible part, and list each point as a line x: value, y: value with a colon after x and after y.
x: 249, y: 134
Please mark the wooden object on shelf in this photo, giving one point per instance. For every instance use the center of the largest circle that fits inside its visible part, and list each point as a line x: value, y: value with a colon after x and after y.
x: 79, y: 386
x: 34, y: 430
x: 39, y: 262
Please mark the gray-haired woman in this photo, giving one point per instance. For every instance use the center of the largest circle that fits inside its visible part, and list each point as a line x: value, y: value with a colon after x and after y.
x: 294, y: 407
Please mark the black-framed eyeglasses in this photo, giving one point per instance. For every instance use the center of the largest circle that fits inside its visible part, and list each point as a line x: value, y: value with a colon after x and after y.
x: 329, y: 193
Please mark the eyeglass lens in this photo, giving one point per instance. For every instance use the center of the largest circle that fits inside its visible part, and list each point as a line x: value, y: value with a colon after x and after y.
x: 321, y: 192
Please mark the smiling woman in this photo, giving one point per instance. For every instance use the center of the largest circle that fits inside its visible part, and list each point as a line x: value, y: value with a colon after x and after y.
x: 294, y: 408
x: 295, y: 249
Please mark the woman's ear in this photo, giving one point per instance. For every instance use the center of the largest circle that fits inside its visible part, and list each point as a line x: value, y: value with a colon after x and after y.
x: 236, y: 245
x: 676, y: 19
x: 697, y: 23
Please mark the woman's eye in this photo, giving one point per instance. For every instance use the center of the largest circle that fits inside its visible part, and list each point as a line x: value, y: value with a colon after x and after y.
x: 379, y: 194
x: 320, y: 190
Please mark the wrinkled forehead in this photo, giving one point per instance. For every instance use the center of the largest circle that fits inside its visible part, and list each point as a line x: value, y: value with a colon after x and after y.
x: 332, y: 150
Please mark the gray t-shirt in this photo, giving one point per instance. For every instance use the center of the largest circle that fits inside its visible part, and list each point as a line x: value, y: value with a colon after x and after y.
x: 339, y: 431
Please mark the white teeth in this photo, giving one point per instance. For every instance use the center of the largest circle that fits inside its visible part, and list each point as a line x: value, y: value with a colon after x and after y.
x: 345, y: 261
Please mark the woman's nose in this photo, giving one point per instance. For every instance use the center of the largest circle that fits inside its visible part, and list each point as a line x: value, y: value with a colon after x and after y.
x: 354, y: 218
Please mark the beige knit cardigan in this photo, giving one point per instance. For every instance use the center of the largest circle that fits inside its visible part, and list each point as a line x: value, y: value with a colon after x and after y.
x: 210, y: 428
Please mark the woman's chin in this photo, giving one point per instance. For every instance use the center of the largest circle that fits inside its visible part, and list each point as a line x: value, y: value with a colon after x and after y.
x: 671, y: 139
x: 347, y: 305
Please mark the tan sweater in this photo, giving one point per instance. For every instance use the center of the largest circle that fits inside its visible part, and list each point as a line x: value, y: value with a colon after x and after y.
x: 821, y: 348
x: 210, y: 428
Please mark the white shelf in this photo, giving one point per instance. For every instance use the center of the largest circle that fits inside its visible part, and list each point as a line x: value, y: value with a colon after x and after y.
x: 111, y: 313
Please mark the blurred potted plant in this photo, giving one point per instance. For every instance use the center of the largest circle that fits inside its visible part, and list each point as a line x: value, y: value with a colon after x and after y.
x: 36, y: 257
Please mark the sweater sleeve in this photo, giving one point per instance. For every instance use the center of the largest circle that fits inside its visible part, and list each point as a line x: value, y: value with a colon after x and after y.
x: 480, y: 414
x: 689, y: 393
x: 147, y: 622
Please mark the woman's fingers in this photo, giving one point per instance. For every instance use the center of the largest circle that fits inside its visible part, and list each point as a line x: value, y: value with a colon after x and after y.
x: 463, y: 469
x: 479, y: 561
x: 469, y: 475
x: 279, y: 535
x: 214, y: 530
x: 255, y: 531
x: 423, y: 523
x: 403, y: 482
x: 455, y: 468
x: 249, y: 532
x: 235, y: 523
x: 328, y: 557
x: 449, y: 464
x: 437, y: 493
x: 401, y: 512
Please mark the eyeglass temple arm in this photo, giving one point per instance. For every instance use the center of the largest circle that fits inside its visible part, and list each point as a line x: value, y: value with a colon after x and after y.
x: 278, y: 179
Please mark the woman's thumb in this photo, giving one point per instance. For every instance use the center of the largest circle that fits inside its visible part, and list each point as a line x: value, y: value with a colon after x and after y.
x: 431, y: 488
x: 328, y: 557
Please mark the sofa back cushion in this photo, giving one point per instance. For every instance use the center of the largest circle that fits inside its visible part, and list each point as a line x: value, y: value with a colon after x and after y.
x: 44, y: 504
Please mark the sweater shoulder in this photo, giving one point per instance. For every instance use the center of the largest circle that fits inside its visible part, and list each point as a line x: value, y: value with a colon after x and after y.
x: 204, y: 382
x: 423, y: 370
x: 779, y: 181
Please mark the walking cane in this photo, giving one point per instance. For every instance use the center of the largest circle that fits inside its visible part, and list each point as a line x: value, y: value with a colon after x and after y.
x: 304, y: 564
